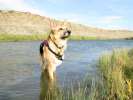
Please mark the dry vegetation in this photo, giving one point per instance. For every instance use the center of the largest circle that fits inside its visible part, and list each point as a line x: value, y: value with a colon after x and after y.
x: 117, y: 71
x: 14, y: 22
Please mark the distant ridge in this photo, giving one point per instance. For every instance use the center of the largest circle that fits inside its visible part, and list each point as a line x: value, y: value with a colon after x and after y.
x: 15, y: 22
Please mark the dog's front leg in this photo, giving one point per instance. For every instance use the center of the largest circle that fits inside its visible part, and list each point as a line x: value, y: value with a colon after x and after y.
x: 51, y: 71
x: 51, y: 75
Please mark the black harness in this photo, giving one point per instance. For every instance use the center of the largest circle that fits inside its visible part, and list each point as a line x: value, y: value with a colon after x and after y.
x: 45, y: 42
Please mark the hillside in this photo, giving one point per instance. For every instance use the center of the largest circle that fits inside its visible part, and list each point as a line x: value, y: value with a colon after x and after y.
x: 14, y: 22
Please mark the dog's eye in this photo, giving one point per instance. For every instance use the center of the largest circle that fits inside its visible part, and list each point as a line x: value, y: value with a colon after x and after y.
x: 60, y: 28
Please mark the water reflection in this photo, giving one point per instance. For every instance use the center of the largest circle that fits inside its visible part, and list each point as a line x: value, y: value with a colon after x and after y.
x: 48, y: 88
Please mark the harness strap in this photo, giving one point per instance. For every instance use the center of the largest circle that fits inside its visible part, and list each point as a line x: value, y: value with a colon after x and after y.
x: 57, y: 55
x: 45, y: 42
x: 56, y: 44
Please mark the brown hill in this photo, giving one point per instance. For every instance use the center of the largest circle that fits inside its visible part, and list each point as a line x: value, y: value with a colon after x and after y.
x: 15, y: 22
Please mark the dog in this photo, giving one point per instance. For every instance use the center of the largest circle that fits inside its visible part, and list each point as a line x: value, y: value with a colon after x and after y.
x: 52, y: 50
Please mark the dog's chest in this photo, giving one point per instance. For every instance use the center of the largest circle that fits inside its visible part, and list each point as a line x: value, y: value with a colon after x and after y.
x: 56, y: 61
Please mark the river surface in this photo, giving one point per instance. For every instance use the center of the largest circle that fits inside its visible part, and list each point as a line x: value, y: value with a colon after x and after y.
x: 20, y: 65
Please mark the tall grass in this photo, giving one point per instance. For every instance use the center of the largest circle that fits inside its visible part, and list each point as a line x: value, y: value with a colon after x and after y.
x: 82, y: 91
x: 117, y: 73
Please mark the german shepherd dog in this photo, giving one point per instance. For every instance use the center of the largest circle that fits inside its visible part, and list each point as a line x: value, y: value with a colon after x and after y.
x: 52, y: 55
x: 52, y: 49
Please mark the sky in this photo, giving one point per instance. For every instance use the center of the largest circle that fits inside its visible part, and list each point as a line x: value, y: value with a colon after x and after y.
x: 108, y: 14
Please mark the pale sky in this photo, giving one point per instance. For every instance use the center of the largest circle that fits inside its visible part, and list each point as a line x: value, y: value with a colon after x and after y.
x: 110, y: 14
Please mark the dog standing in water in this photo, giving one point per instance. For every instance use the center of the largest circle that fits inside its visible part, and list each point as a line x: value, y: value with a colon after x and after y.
x: 52, y: 55
x: 52, y: 49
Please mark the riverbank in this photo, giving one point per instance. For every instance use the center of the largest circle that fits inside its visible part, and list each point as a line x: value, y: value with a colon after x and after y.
x: 37, y: 37
x: 11, y: 23
x: 40, y: 37
x: 15, y: 38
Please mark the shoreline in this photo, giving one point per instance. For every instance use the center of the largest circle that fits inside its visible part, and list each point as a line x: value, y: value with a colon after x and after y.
x: 39, y: 37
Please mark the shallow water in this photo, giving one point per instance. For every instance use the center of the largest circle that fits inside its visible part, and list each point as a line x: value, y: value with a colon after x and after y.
x: 20, y: 65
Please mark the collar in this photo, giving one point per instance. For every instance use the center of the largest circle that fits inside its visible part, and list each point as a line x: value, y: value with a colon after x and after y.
x: 58, y: 56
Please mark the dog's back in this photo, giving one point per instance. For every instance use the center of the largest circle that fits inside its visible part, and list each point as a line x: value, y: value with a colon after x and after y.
x: 44, y: 43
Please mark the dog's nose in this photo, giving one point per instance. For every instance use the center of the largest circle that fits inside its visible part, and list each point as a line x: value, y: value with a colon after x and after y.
x: 69, y: 32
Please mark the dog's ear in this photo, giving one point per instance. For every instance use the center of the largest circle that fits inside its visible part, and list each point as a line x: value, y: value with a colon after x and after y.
x: 52, y: 24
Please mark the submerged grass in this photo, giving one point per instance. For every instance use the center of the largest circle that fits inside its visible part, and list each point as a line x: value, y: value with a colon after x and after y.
x: 35, y: 37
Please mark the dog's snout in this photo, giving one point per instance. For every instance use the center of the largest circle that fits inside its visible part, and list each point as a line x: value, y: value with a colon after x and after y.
x: 69, y: 32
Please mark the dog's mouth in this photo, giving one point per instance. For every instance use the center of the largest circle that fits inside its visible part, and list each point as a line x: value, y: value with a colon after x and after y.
x: 66, y: 34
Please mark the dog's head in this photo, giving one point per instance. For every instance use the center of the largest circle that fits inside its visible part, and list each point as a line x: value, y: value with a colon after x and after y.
x: 61, y: 33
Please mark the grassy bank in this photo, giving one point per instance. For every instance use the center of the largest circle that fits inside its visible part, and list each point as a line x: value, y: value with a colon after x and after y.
x: 73, y: 37
x: 117, y: 73
x: 13, y: 37
x: 35, y: 37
